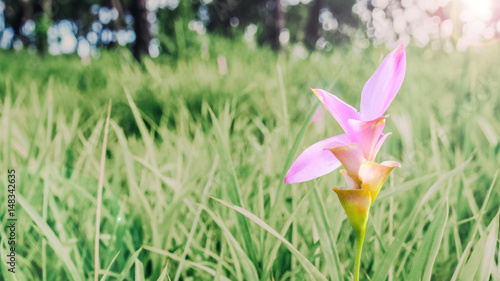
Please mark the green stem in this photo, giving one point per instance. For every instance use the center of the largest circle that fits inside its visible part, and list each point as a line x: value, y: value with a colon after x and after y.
x: 360, y: 238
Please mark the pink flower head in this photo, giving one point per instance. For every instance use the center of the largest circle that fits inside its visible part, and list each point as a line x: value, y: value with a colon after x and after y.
x: 363, y: 135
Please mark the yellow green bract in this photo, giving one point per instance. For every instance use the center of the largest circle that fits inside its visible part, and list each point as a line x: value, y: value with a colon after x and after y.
x: 357, y: 202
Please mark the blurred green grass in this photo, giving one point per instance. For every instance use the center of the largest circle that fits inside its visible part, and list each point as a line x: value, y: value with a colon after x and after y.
x: 198, y: 134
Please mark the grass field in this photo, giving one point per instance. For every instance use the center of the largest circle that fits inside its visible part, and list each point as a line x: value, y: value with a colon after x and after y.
x: 185, y: 143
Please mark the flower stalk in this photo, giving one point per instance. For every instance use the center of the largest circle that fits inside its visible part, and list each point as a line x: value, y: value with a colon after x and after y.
x: 360, y: 238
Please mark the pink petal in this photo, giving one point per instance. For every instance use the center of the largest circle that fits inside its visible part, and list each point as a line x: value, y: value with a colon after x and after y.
x: 378, y: 145
x: 340, y: 110
x: 366, y: 134
x: 384, y: 84
x: 351, y: 183
x: 315, y: 161
x: 351, y: 157
x: 373, y: 175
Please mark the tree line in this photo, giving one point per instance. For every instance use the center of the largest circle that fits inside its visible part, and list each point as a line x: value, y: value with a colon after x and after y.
x: 226, y: 17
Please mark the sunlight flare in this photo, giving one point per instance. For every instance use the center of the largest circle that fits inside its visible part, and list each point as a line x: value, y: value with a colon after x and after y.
x: 481, y: 9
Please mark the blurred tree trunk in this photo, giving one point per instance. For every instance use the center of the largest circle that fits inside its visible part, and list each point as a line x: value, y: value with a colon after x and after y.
x: 141, y: 27
x: 275, y: 21
x: 117, y: 24
x: 17, y: 12
x: 312, y: 28
x: 342, y: 10
x: 115, y: 4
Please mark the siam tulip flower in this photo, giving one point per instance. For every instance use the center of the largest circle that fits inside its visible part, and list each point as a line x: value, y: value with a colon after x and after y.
x: 357, y: 148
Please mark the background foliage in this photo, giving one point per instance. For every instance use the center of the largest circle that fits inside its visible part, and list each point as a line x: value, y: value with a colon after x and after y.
x: 191, y: 136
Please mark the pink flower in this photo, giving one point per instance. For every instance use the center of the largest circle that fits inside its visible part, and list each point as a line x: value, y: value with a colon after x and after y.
x: 363, y: 135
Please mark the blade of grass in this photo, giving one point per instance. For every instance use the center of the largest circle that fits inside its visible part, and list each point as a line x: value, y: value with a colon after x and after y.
x: 164, y: 273
x: 405, y: 187
x: 148, y: 141
x: 308, y: 266
x: 189, y: 263
x: 476, y: 229
x: 218, y: 272
x: 139, y: 270
x: 52, y: 239
x: 327, y: 242
x: 241, y: 258
x: 481, y: 260
x: 234, y: 190
x: 197, y: 217
x: 283, y: 98
x: 436, y: 245
x: 393, y: 251
x: 275, y: 203
x: 129, y: 263
x: 482, y: 211
x: 461, y: 261
x: 271, y: 256
x: 134, y: 192
x: 104, y: 275
x: 424, y: 258
x: 44, y: 217
x: 99, y: 195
